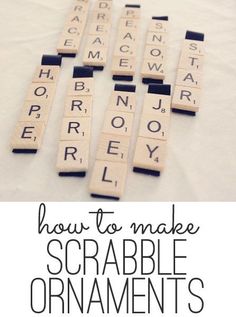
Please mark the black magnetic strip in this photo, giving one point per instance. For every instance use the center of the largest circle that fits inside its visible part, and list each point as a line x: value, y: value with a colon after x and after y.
x: 105, y: 197
x: 71, y: 55
x: 24, y: 151
x: 148, y: 81
x: 54, y: 60
x: 128, y: 88
x: 162, y: 18
x: 133, y: 6
x: 146, y: 171
x: 82, y: 72
x: 72, y: 174
x: 159, y: 89
x: 122, y: 78
x: 96, y: 68
x: 180, y: 111
x: 190, y: 35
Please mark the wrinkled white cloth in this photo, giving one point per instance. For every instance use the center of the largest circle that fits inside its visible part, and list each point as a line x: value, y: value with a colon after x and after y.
x: 201, y: 162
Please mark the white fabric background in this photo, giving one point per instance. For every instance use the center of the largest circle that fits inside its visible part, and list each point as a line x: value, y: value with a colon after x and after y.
x: 201, y: 163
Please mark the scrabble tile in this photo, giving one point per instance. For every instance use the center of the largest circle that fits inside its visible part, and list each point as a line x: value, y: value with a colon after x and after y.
x: 108, y: 179
x: 131, y: 13
x: 153, y: 69
x: 101, y: 40
x: 128, y: 23
x: 125, y: 49
x: 127, y: 36
x: 95, y: 56
x: 154, y: 52
x: 113, y: 148
x: 189, y: 78
x: 118, y: 123
x: 122, y: 101
x: 27, y: 136
x: 101, y: 17
x: 155, y: 127
x: 186, y: 98
x: 72, y: 159
x: 81, y: 87
x: 99, y: 28
x: 72, y: 31
x: 68, y: 45
x: 194, y: 47
x: 156, y: 38
x: 158, y: 26
x: 46, y: 74
x: 80, y: 106
x: 35, y: 111
x: 157, y: 104
x: 191, y: 61
x: 149, y: 156
x: 103, y: 6
x: 76, y: 19
x: 41, y: 91
x: 123, y: 66
x: 75, y: 129
x: 80, y: 7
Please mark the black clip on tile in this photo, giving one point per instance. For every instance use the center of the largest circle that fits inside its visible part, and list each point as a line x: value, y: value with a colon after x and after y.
x: 122, y: 78
x: 148, y: 81
x: 96, y: 68
x: 127, y: 88
x: 70, y: 55
x: 159, y: 89
x: 133, y: 6
x: 105, y: 197
x: 186, y: 112
x: 72, y: 174
x: 146, y: 171
x: 24, y: 151
x: 194, y: 36
x: 54, y: 60
x: 82, y: 72
x: 162, y: 18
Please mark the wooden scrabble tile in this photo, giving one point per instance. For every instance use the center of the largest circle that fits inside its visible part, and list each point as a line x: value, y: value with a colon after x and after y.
x: 35, y: 111
x: 80, y: 106
x: 108, y: 179
x: 156, y: 38
x: 69, y: 45
x: 95, y: 56
x: 72, y: 31
x: 186, y: 98
x: 80, y: 7
x: 126, y: 35
x: 189, y: 78
x: 113, y: 148
x: 191, y: 61
x: 76, y: 19
x: 122, y: 101
x: 125, y: 49
x: 46, y: 74
x: 123, y: 66
x: 81, y: 87
x: 101, y: 17
x: 73, y: 156
x: 194, y: 47
x: 154, y: 127
x: 158, y: 26
x: 157, y: 104
x: 27, y: 136
x: 131, y: 13
x: 153, y: 69
x: 41, y: 91
x: 118, y: 123
x: 100, y: 40
x: 128, y: 23
x: 154, y: 52
x: 103, y: 6
x: 150, y: 154
x: 75, y: 129
x: 99, y: 28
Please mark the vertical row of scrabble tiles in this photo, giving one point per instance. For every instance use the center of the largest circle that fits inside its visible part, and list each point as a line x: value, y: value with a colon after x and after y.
x: 150, y: 151
x: 154, y: 62
x: 74, y: 144
x: 186, y: 98
x: 124, y: 59
x: 30, y: 128
x: 70, y: 39
x: 110, y: 169
x: 96, y: 50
